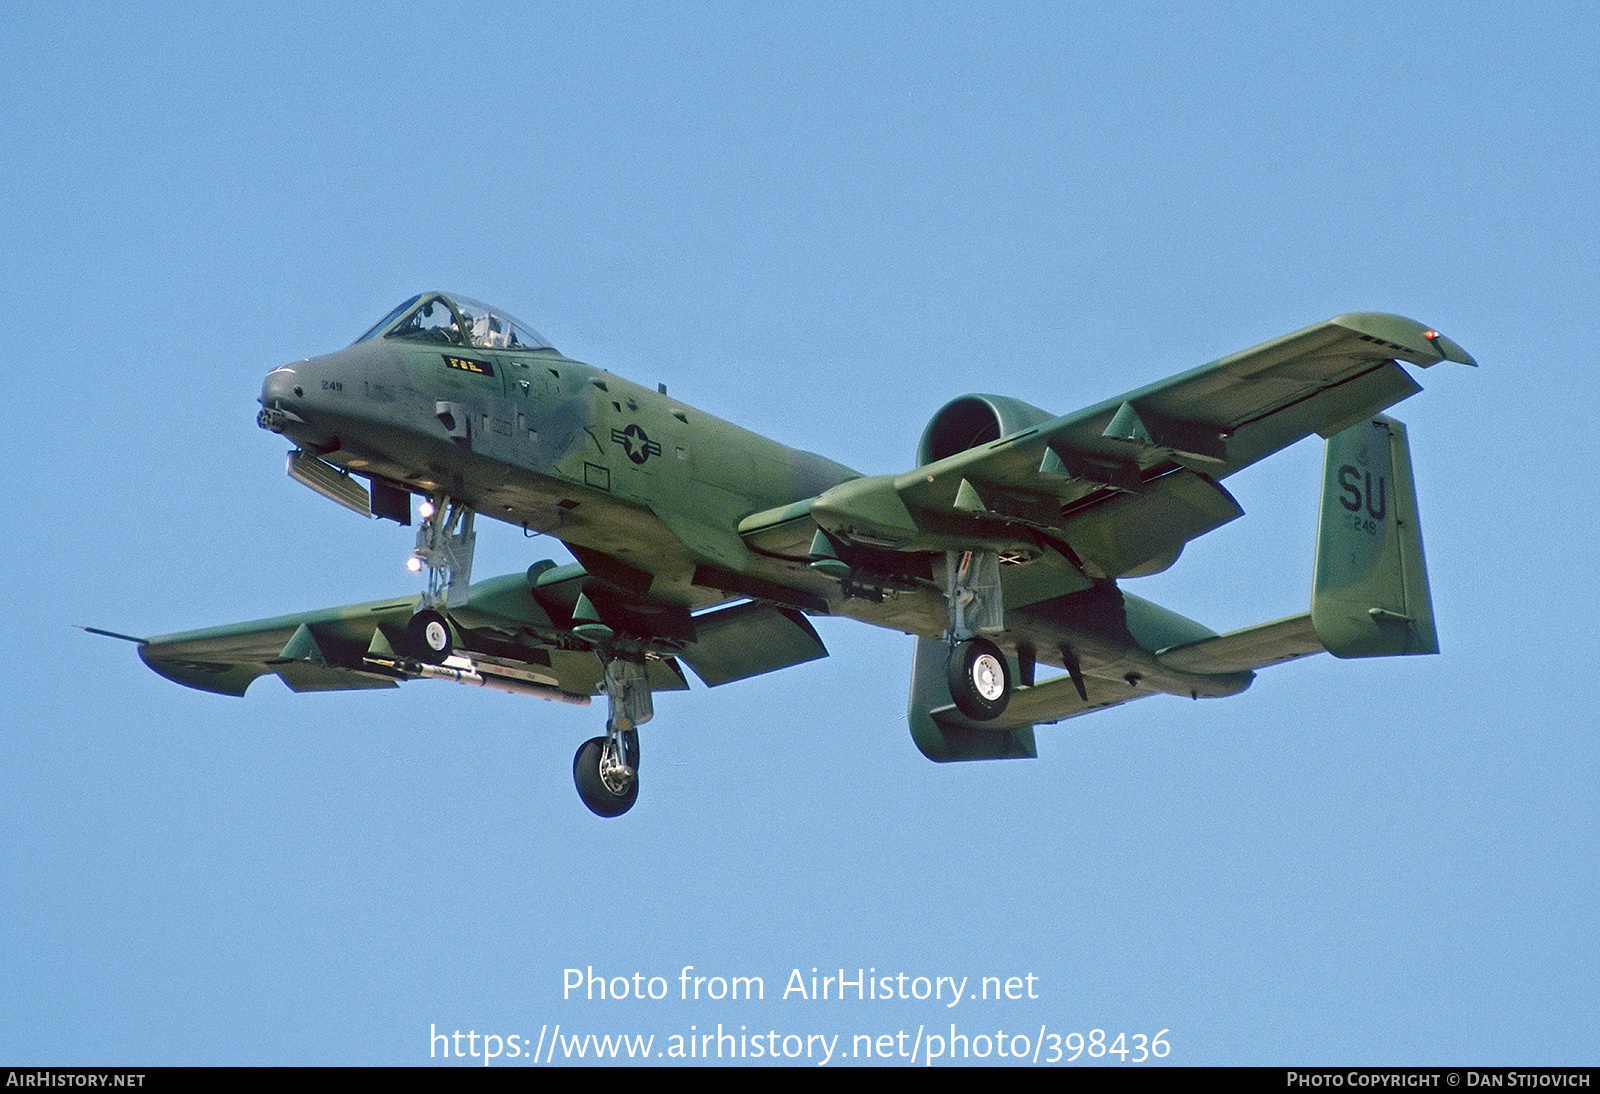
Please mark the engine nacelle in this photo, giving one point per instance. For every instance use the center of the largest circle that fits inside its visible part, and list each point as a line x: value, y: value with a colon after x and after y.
x: 972, y: 420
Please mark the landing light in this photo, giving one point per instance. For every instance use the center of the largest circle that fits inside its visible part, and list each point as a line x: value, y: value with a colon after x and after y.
x: 425, y: 509
x: 414, y: 564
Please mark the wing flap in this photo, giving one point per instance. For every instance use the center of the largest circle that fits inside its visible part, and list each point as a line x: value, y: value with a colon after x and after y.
x: 750, y: 639
x: 303, y: 676
x: 1138, y: 534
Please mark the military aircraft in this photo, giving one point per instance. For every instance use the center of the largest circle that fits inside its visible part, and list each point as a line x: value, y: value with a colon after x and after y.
x: 699, y: 543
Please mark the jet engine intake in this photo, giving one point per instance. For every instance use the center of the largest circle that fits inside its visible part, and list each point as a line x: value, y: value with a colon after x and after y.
x: 972, y: 420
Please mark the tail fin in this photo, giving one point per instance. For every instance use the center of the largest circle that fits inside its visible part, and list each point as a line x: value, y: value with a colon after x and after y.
x: 1370, y: 594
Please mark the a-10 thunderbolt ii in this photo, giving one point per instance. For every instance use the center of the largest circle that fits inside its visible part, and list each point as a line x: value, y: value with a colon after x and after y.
x: 699, y: 543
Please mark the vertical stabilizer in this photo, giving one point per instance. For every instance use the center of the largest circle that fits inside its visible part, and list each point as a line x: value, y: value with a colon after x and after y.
x: 1370, y: 594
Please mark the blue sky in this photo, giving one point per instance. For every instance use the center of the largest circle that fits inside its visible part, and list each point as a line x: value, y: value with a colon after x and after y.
x: 822, y: 221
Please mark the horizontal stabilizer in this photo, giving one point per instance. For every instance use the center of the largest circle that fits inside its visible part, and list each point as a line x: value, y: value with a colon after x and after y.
x: 1045, y: 703
x: 1246, y: 650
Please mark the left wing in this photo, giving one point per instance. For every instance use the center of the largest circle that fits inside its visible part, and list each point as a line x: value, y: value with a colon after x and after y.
x: 1127, y: 482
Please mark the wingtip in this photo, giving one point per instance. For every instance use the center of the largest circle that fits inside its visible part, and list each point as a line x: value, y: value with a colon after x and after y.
x: 1449, y: 349
x: 1414, y: 342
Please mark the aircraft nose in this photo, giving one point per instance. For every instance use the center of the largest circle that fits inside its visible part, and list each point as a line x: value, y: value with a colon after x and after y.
x: 280, y: 393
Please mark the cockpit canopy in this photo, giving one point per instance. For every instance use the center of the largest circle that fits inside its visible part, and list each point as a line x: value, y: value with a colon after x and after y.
x: 453, y: 320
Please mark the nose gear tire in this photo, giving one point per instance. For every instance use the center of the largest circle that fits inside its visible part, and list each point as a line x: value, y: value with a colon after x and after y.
x: 604, y: 796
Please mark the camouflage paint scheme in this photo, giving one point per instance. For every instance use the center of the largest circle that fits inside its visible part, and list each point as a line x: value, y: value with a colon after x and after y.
x: 701, y: 542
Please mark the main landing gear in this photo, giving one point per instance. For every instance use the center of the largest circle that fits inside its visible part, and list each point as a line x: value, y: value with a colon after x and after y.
x: 428, y: 634
x: 977, y: 673
x: 979, y: 679
x: 606, y: 769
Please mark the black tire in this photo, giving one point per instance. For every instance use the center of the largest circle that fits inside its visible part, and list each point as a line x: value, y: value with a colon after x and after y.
x: 600, y: 799
x: 979, y: 678
x: 429, y: 636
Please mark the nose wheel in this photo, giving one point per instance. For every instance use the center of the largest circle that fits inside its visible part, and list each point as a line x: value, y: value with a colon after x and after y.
x: 606, y: 771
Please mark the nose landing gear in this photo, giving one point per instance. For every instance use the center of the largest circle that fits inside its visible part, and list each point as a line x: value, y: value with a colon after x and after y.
x: 606, y: 769
x: 606, y: 772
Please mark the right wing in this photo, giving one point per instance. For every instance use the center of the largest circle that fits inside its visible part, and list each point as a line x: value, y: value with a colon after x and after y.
x: 514, y: 633
x: 364, y: 646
